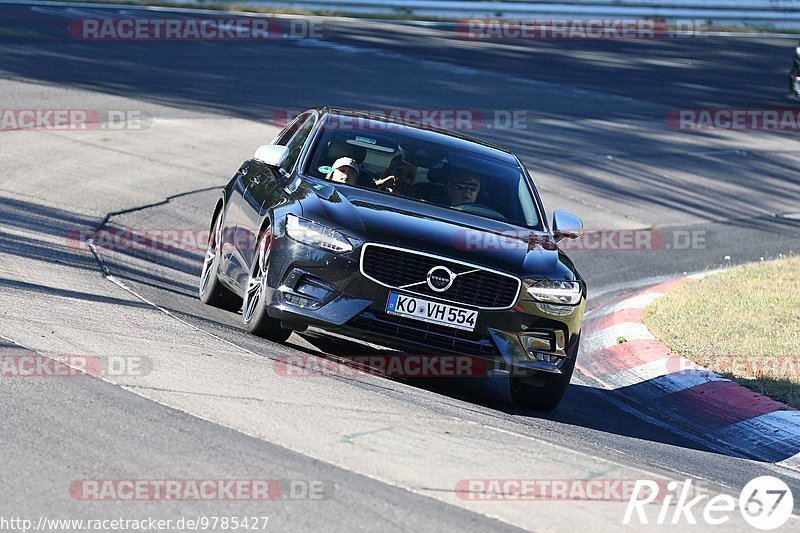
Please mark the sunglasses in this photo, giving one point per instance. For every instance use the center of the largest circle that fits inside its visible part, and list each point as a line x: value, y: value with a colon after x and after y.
x: 474, y: 187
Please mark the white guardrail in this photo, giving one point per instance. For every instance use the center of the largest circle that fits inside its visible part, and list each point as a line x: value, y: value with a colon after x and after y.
x: 761, y: 14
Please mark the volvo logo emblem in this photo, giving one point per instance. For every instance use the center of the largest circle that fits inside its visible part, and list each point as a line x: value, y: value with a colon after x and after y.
x: 440, y: 278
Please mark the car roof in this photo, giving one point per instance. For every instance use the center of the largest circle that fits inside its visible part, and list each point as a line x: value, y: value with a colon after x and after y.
x: 451, y: 138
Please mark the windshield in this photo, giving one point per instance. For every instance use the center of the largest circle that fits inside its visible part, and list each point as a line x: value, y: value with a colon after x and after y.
x: 423, y: 166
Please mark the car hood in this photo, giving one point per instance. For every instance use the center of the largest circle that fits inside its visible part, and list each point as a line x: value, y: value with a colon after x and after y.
x: 371, y: 216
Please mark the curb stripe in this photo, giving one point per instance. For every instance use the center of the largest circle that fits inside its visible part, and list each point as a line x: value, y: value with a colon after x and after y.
x: 661, y: 381
x: 625, y: 356
x: 635, y: 314
x: 772, y: 434
x: 680, y: 390
x: 630, y: 331
x: 718, y: 404
x: 638, y: 301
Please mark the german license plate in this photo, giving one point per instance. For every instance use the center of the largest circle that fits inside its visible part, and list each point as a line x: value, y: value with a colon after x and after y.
x: 433, y: 312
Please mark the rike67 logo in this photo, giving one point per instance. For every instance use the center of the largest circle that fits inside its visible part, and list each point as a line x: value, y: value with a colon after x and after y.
x: 765, y: 503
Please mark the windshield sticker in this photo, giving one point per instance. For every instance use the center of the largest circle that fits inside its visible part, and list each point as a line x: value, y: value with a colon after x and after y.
x: 325, y: 169
x: 369, y: 144
x: 366, y: 140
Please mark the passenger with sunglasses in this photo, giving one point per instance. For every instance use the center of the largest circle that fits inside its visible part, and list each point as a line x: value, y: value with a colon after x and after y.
x: 463, y: 188
x: 398, y: 178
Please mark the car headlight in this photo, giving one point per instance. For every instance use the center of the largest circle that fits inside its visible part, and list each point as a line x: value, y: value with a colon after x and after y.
x: 313, y: 234
x: 555, y: 292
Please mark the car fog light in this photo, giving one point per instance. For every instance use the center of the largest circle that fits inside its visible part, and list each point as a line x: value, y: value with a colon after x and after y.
x: 547, y: 358
x: 299, y: 301
x: 536, y: 341
x: 314, y: 288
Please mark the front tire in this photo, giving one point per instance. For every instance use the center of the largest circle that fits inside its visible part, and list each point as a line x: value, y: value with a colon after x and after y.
x: 542, y: 391
x: 254, y: 309
x: 211, y: 291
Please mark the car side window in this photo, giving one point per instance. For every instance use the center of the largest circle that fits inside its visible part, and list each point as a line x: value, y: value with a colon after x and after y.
x: 297, y: 142
x: 285, y: 136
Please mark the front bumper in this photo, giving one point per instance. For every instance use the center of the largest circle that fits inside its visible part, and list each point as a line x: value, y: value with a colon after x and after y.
x: 309, y: 286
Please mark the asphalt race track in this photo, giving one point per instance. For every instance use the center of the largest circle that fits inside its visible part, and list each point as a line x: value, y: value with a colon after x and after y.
x: 388, y: 453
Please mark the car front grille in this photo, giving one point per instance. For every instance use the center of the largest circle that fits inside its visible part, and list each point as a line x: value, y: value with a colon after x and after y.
x: 432, y: 335
x: 407, y: 270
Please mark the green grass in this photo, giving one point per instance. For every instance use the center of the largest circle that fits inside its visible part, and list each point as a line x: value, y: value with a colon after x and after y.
x: 743, y: 324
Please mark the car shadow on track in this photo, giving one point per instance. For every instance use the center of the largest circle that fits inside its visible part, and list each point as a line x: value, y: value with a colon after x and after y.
x: 583, y: 405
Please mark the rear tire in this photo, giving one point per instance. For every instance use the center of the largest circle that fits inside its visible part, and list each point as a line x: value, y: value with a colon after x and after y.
x: 254, y: 309
x: 542, y: 391
x: 211, y: 291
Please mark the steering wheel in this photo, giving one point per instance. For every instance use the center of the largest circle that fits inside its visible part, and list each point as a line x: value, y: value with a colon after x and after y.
x: 478, y: 208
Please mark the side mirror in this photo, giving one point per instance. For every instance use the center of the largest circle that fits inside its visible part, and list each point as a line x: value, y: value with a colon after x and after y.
x: 271, y: 154
x: 566, y: 226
